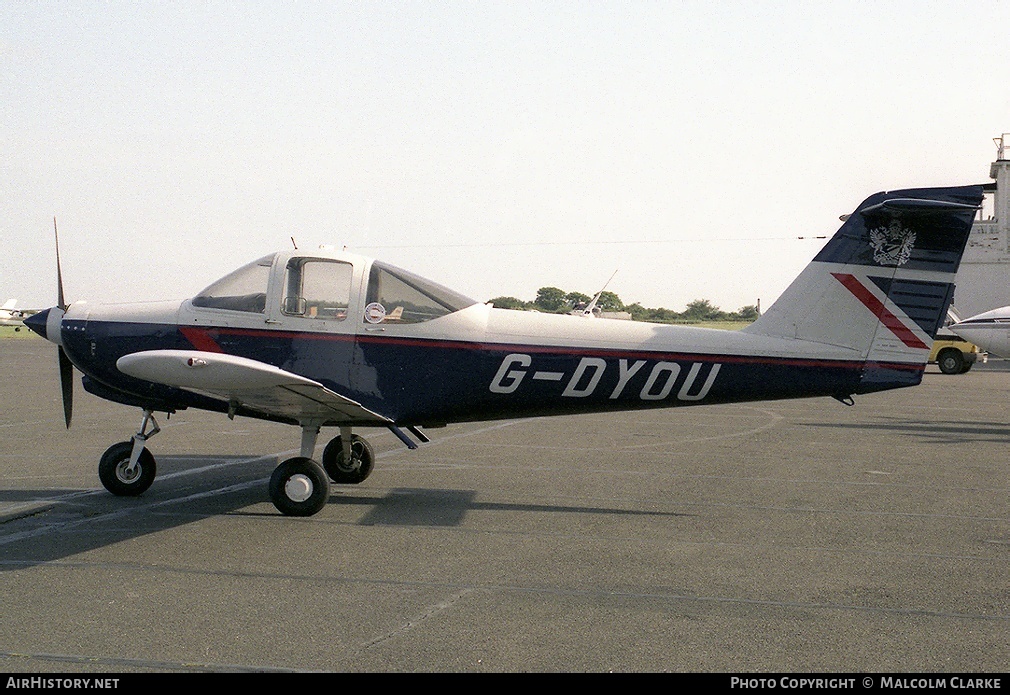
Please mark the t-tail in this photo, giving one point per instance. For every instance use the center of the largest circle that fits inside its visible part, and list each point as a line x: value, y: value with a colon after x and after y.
x: 881, y: 286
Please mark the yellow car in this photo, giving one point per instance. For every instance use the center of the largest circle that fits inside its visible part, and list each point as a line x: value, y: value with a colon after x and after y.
x: 952, y: 354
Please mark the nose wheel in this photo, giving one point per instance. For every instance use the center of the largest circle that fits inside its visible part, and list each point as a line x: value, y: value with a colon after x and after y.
x: 127, y: 469
x: 122, y: 479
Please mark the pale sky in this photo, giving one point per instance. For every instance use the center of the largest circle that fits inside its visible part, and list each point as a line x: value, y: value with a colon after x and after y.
x: 496, y: 147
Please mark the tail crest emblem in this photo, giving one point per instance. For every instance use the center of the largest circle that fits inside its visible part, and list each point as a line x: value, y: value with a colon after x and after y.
x: 892, y: 245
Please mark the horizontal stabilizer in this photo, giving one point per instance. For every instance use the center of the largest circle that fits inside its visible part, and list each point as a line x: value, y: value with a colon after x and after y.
x: 917, y: 205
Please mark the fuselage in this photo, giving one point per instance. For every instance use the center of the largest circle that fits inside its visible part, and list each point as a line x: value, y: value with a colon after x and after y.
x: 476, y: 362
x: 989, y: 330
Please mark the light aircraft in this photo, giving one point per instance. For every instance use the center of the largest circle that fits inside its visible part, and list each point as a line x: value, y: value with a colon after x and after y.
x: 590, y: 310
x: 9, y: 316
x: 305, y: 338
x: 990, y: 330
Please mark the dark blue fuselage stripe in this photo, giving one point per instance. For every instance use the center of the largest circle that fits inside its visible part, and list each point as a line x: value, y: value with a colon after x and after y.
x: 413, y: 380
x: 615, y: 353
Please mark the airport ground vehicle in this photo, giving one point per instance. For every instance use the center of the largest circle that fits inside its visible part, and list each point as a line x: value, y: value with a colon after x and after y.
x: 953, y: 355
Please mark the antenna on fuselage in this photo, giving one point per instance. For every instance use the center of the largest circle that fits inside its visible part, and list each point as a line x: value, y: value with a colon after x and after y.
x: 294, y: 244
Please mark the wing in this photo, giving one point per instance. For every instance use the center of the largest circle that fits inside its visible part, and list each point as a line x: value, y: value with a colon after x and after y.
x: 253, y: 384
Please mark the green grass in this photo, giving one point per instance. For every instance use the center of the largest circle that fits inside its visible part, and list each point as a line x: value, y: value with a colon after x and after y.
x: 9, y: 332
x: 724, y: 325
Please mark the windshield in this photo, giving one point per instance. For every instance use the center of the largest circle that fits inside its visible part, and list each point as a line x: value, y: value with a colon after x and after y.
x: 243, y: 290
x: 397, y: 296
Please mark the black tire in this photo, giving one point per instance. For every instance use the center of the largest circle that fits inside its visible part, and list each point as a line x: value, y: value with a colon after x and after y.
x: 112, y: 470
x: 360, y: 467
x: 299, y: 487
x: 951, y: 361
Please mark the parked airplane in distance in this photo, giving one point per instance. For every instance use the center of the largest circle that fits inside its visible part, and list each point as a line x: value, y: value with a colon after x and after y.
x: 990, y: 330
x: 591, y: 310
x: 9, y: 316
x: 306, y: 338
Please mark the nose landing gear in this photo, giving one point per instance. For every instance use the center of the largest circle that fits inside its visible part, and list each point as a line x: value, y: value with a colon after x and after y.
x: 127, y: 469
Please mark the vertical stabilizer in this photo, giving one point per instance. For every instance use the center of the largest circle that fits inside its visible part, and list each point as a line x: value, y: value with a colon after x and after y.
x: 882, y: 284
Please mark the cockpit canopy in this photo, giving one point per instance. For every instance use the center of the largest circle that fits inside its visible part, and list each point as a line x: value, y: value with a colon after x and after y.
x: 242, y: 290
x: 323, y: 288
x: 317, y: 288
x: 401, y: 296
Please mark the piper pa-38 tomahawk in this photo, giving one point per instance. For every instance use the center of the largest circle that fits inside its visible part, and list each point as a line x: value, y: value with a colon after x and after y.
x: 322, y: 339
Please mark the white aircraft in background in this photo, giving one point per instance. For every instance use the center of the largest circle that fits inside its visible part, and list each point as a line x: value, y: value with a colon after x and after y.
x: 9, y: 316
x: 591, y: 310
x: 989, y: 330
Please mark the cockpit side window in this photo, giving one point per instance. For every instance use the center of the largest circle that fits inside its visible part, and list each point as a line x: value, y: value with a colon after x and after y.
x: 396, y: 296
x: 243, y: 290
x: 316, y: 288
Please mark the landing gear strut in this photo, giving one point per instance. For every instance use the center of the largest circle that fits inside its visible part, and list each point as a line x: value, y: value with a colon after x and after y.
x: 301, y: 487
x: 128, y: 468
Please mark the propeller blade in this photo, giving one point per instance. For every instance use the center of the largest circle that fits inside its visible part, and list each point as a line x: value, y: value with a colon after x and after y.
x: 66, y: 366
x: 66, y: 385
x: 59, y: 274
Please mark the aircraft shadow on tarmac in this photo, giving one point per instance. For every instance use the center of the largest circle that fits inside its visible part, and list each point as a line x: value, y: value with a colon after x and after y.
x: 953, y: 433
x: 56, y: 524
x: 423, y: 507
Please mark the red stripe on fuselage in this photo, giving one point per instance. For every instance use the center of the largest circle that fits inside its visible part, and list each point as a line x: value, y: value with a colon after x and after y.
x: 200, y: 338
x: 892, y: 322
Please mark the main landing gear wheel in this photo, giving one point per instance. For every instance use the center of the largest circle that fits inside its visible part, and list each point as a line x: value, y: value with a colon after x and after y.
x: 360, y: 465
x: 299, y: 487
x: 113, y: 470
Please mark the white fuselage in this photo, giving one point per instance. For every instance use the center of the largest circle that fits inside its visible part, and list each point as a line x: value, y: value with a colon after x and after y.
x: 989, y: 330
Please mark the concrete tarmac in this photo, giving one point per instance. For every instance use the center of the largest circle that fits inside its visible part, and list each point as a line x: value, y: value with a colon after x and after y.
x: 793, y: 536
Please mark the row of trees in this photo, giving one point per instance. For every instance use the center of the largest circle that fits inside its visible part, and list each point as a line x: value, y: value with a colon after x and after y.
x: 556, y: 301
